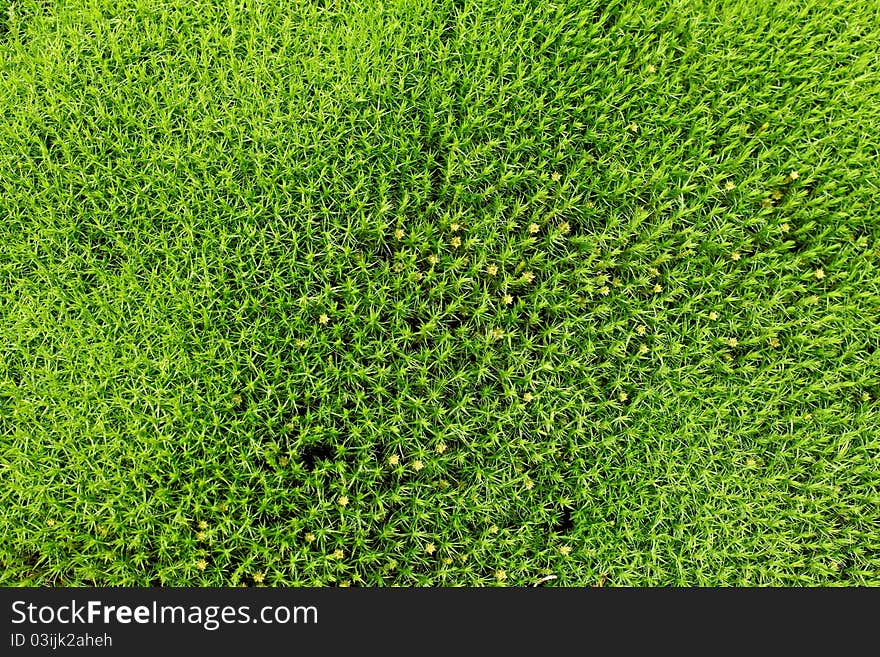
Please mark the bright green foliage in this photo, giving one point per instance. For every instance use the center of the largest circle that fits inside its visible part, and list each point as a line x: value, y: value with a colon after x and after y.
x: 599, y: 282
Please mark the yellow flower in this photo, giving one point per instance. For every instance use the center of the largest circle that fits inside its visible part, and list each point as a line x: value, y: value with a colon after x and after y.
x: 732, y: 342
x: 623, y: 396
x: 643, y: 349
x: 258, y: 577
x: 564, y: 228
x: 785, y: 228
x: 774, y: 342
x: 729, y: 185
x: 534, y: 228
x: 556, y: 176
x: 713, y: 315
x: 527, y: 397
x: 203, y: 524
x: 819, y: 274
x: 201, y: 536
x: 508, y: 299
x: 429, y: 548
x: 633, y: 127
x: 604, y: 290
x: 794, y: 175
x: 496, y: 334
x: 338, y: 554
x: 399, y: 233
x: 433, y: 259
x: 641, y: 330
x: 323, y: 318
x: 456, y: 241
x: 492, y: 270
x: 529, y: 484
x: 310, y: 537
x: 657, y: 288
x: 343, y: 500
x: 417, y: 465
x: 528, y: 276
x: 440, y: 448
x: 734, y: 256
x: 751, y: 463
x: 454, y: 228
x: 201, y: 564
x: 500, y: 575
x: 652, y: 68
x: 394, y: 459
x: 564, y: 550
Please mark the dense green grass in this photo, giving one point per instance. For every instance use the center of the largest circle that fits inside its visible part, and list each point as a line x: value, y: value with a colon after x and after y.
x: 438, y: 292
